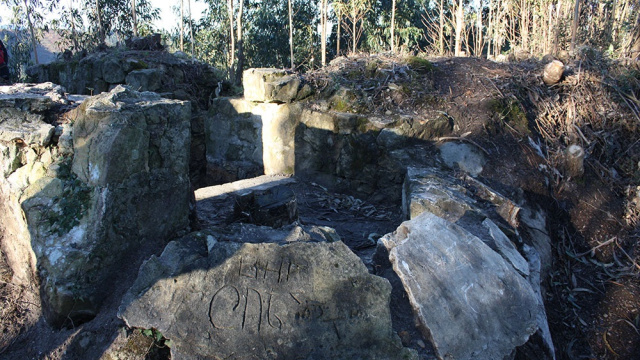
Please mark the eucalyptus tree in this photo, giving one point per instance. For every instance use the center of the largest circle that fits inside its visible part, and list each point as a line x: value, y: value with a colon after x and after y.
x: 115, y: 17
x: 18, y: 42
x: 354, y: 13
x: 393, y: 25
x: 32, y: 11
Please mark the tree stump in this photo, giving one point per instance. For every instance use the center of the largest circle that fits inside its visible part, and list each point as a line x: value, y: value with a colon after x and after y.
x: 553, y: 72
x: 574, y: 161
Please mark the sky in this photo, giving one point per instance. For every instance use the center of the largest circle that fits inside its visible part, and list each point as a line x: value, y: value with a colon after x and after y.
x: 167, y: 21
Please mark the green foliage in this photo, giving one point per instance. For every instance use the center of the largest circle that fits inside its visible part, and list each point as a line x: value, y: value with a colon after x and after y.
x: 153, y: 333
x: 18, y: 44
x: 19, y: 55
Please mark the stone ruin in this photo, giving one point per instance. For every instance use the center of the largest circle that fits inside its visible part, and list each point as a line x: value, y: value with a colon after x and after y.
x: 80, y: 192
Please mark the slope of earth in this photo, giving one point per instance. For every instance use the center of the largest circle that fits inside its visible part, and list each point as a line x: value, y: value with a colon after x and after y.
x: 525, y: 126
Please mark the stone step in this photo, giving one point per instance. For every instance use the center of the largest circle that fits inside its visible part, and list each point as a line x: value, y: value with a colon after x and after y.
x: 264, y: 200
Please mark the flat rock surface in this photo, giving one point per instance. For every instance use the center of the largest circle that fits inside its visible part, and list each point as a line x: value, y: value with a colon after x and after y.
x: 215, y: 203
x: 473, y: 303
x: 303, y: 300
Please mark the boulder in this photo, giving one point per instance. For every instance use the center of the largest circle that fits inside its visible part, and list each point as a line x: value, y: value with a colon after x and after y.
x: 95, y: 193
x: 514, y: 233
x: 152, y: 42
x: 467, y: 157
x: 472, y: 302
x: 113, y: 71
x: 273, y: 85
x: 145, y: 79
x: 289, y: 298
x: 32, y: 98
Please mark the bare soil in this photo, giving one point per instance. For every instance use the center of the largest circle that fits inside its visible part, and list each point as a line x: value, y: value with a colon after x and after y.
x: 593, y: 288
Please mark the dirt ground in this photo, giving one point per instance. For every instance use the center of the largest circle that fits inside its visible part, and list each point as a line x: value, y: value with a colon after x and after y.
x: 593, y: 288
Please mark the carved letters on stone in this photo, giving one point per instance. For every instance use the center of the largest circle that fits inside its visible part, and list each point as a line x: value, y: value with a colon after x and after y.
x: 257, y: 301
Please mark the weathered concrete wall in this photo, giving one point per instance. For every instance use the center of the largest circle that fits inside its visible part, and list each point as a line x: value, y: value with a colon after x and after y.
x: 109, y: 178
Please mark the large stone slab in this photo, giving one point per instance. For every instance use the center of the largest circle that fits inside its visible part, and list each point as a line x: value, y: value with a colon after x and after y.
x: 514, y: 232
x: 273, y: 85
x: 80, y: 202
x: 472, y: 302
x: 246, y: 139
x: 24, y: 138
x: 286, y: 299
x: 215, y: 203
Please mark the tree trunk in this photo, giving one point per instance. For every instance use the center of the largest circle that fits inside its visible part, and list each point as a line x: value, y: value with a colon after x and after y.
x: 182, y: 25
x: 133, y: 18
x: 100, y: 24
x: 574, y: 26
x: 393, y: 26
x: 293, y: 66
x: 232, y: 42
x: 338, y: 27
x: 353, y: 31
x: 441, y: 29
x: 33, y: 34
x: 479, y: 45
x: 74, y: 38
x: 240, y: 41
x: 459, y: 27
x: 634, y: 48
x: 193, y: 41
x: 323, y: 31
x: 524, y: 25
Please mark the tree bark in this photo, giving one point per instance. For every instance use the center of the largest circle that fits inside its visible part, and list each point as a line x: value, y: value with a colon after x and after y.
x: 182, y: 25
x: 33, y: 34
x: 441, y: 29
x: 100, y: 24
x: 459, y: 27
x: 393, y: 26
x: 338, y: 27
x: 634, y: 49
x: 133, y: 16
x: 232, y: 42
x: 240, y: 42
x: 479, y: 45
x: 193, y: 41
x: 74, y: 38
x: 524, y: 25
x: 574, y: 26
x: 353, y: 30
x: 323, y: 31
x: 291, y: 35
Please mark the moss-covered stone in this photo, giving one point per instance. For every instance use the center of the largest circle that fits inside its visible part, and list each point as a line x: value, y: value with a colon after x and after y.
x: 507, y: 111
x: 418, y: 64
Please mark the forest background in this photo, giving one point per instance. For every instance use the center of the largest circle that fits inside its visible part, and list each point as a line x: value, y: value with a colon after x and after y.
x: 233, y: 35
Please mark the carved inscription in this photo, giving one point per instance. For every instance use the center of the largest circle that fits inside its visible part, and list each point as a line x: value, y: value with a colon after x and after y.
x: 258, y: 296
